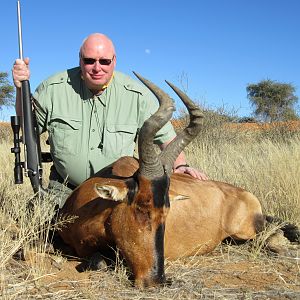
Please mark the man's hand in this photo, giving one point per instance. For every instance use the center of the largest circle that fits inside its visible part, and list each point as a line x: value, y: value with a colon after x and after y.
x: 191, y: 171
x: 20, y: 71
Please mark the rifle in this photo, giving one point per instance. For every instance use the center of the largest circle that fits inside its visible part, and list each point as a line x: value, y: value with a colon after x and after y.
x: 32, y: 164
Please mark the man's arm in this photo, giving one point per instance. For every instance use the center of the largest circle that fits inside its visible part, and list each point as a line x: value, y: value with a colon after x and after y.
x: 181, y: 166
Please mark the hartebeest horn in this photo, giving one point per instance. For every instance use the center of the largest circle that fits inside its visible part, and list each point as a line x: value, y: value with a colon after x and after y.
x: 150, y: 164
x: 171, y: 152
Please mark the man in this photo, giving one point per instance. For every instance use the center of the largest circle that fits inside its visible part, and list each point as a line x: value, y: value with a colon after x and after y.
x: 92, y: 114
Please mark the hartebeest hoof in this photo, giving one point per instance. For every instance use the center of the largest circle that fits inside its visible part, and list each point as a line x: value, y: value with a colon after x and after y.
x: 95, y: 263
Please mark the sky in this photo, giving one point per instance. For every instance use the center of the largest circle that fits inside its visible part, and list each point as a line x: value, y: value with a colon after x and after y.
x: 212, y: 49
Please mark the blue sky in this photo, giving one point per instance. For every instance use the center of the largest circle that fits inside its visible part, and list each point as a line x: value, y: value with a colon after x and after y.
x: 211, y: 48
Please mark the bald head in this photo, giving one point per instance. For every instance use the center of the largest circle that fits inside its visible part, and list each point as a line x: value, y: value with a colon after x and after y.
x: 97, y: 41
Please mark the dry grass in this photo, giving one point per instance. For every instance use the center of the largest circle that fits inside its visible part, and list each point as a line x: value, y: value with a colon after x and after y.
x: 267, y: 164
x: 5, y: 132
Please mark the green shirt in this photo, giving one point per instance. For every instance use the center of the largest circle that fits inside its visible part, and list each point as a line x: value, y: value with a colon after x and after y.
x: 87, y: 132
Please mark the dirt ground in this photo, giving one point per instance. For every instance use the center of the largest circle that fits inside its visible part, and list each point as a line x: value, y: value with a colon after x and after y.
x: 226, y: 273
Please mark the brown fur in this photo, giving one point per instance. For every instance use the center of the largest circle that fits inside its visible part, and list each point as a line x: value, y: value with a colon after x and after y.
x: 202, y: 214
x: 212, y: 211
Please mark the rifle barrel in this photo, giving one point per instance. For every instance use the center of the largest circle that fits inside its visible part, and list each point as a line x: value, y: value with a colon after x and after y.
x: 20, y: 30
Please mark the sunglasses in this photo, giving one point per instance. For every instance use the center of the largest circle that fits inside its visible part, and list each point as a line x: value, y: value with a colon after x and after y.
x: 102, y: 61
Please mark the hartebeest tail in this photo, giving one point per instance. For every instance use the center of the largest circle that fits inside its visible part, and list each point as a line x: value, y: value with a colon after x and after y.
x: 290, y: 231
x: 130, y: 213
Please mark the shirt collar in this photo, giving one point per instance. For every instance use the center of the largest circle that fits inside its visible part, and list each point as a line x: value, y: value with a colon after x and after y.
x: 106, y: 85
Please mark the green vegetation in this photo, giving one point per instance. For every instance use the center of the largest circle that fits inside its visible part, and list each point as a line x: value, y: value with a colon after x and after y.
x: 6, y: 90
x: 273, y: 101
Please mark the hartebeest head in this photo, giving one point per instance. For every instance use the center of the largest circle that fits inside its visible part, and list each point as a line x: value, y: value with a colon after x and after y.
x: 137, y: 225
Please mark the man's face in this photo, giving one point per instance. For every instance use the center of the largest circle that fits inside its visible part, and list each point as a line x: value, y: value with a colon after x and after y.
x: 97, y: 62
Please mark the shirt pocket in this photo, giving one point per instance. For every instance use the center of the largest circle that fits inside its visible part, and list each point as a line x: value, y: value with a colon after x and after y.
x: 119, y: 140
x: 65, y: 135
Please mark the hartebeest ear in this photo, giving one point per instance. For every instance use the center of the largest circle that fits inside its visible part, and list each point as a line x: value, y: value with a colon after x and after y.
x: 111, y: 192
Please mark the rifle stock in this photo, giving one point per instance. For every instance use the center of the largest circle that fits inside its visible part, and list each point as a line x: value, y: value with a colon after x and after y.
x: 33, y: 161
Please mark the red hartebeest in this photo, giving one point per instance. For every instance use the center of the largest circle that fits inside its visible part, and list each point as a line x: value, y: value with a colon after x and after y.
x: 149, y: 213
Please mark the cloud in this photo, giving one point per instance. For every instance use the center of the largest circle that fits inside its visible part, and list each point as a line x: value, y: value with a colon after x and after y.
x: 147, y: 51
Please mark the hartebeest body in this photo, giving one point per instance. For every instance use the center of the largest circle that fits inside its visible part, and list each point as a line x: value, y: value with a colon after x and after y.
x: 149, y: 213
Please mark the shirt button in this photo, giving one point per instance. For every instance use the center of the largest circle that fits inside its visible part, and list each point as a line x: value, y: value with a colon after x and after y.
x: 93, y: 130
x: 92, y: 148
